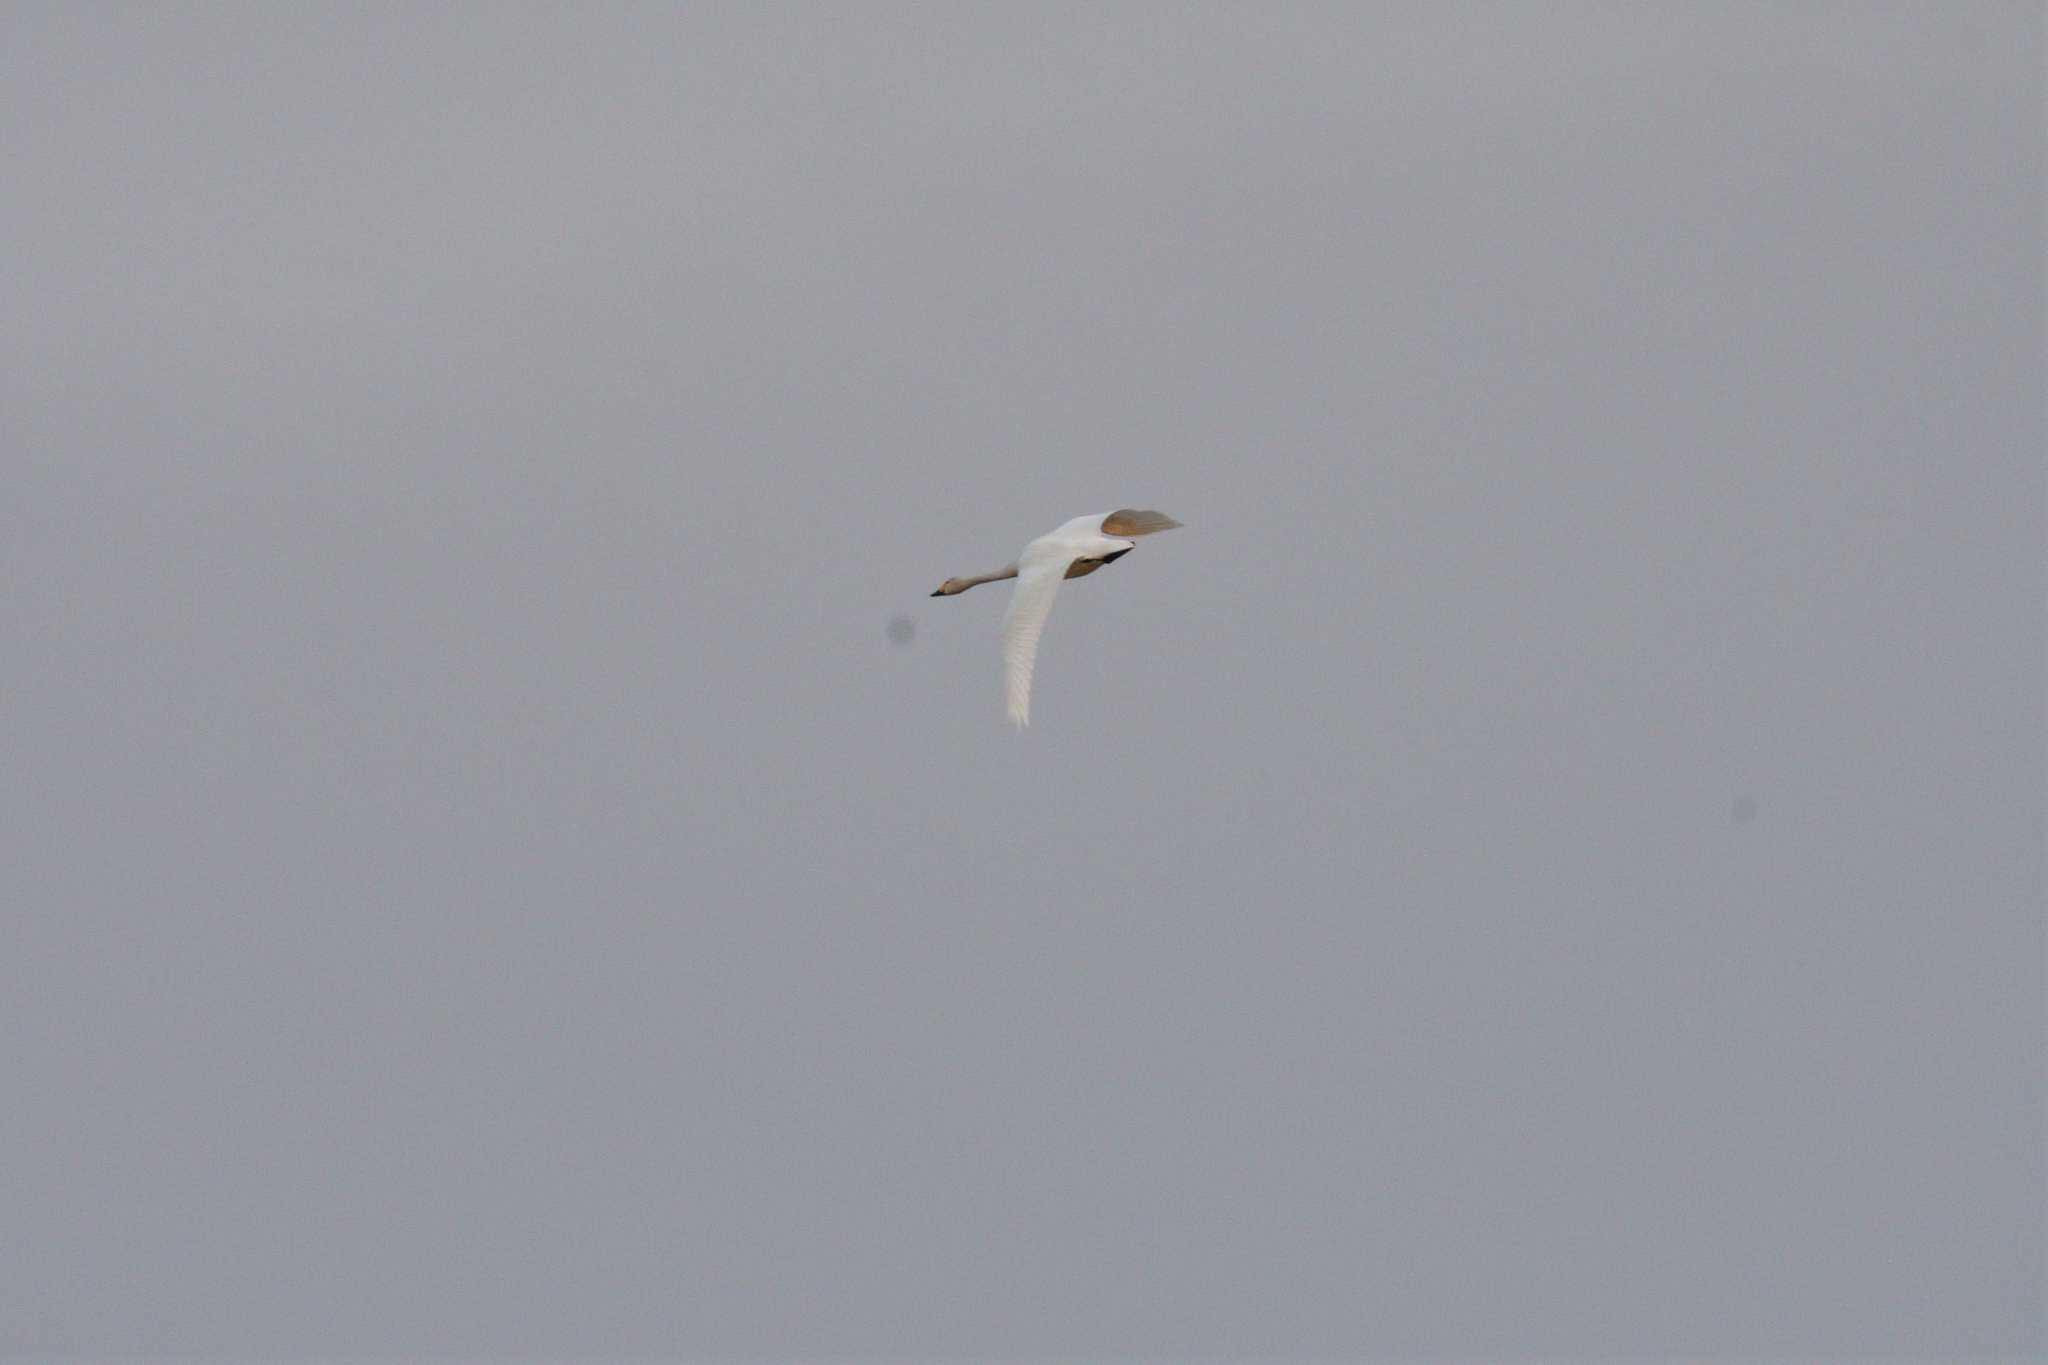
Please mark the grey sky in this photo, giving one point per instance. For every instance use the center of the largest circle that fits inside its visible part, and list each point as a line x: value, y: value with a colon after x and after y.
x: 1549, y: 860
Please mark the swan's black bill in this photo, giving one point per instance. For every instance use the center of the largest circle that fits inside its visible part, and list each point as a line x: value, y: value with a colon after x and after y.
x: 938, y: 592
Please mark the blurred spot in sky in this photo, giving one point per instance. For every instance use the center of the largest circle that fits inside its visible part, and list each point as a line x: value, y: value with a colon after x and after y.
x: 902, y: 630
x: 1744, y: 809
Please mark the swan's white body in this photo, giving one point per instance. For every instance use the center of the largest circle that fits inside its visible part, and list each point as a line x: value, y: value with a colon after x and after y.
x: 1073, y: 550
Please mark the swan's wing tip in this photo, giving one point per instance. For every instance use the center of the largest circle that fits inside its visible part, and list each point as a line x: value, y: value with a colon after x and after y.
x: 1133, y: 521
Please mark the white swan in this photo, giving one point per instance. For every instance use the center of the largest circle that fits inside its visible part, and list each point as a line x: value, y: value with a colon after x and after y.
x: 1074, y: 550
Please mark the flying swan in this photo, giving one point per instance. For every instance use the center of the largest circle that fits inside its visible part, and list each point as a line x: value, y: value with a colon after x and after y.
x: 1074, y: 550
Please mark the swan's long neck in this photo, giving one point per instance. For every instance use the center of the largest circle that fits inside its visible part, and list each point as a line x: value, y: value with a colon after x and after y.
x: 977, y: 579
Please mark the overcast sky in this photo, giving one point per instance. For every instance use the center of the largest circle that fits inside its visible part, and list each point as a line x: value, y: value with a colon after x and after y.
x: 1550, y: 859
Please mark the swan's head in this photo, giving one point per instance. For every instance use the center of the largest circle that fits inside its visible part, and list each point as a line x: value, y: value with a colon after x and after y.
x: 951, y: 586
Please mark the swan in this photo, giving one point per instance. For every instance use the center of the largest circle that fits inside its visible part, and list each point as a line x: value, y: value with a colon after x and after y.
x: 1073, y: 550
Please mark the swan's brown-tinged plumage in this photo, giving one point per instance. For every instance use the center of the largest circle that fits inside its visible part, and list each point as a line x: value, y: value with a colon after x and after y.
x: 1130, y: 521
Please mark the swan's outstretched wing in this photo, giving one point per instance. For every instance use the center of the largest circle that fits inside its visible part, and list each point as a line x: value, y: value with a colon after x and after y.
x: 1129, y: 521
x: 1038, y: 582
